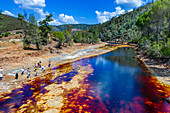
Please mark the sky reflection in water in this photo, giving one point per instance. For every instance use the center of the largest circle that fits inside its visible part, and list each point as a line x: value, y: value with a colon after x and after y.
x: 120, y: 84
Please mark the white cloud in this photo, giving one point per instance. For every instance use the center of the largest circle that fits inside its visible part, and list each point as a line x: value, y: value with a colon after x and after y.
x: 31, y: 4
x: 38, y: 5
x: 65, y: 19
x: 130, y: 10
x: 55, y: 22
x: 42, y: 15
x: 35, y: 5
x: 130, y: 3
x: 105, y: 16
x: 119, y: 10
x: 8, y: 13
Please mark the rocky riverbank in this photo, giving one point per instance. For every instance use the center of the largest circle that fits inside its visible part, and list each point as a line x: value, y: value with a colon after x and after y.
x: 160, y: 68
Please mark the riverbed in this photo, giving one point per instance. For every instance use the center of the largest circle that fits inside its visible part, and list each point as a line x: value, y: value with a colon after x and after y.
x: 112, y: 82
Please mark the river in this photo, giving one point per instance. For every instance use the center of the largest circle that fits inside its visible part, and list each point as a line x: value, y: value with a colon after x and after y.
x: 118, y: 83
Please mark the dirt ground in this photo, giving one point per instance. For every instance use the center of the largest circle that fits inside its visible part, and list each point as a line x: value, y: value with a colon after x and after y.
x: 14, y: 57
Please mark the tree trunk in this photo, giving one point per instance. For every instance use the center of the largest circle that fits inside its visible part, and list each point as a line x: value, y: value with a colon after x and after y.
x: 157, y: 35
x: 37, y: 45
x: 163, y: 32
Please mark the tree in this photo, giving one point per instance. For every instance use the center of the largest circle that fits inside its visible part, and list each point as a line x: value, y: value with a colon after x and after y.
x: 166, y: 8
x: 34, y: 31
x: 156, y: 16
x: 45, y: 29
x: 21, y: 18
x: 144, y: 22
x: 68, y: 35
x: 59, y: 37
x: 69, y: 28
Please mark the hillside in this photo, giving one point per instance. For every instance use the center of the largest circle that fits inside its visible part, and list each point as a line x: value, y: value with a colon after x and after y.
x: 121, y: 28
x: 10, y: 23
x: 147, y: 26
x: 79, y: 27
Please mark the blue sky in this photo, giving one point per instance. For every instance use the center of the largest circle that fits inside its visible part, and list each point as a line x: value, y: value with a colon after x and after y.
x: 71, y: 11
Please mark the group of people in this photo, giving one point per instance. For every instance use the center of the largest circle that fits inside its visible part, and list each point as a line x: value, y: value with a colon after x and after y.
x: 37, y: 65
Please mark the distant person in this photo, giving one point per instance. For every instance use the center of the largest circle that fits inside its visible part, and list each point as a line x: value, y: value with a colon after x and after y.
x: 22, y: 71
x: 1, y: 70
x: 35, y: 69
x: 43, y: 68
x: 28, y: 73
x: 28, y: 70
x: 1, y: 76
x: 16, y: 76
x: 35, y: 74
x: 49, y: 64
x: 35, y: 64
x: 38, y: 64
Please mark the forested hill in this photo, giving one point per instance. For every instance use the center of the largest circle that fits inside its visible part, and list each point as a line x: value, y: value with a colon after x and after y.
x: 9, y: 23
x: 147, y: 26
x: 123, y: 27
x: 79, y: 27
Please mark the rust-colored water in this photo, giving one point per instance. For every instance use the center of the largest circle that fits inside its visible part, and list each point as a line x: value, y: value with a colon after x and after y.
x: 119, y: 83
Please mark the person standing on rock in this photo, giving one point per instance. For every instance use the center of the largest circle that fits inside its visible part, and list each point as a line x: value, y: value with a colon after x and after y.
x: 1, y: 76
x: 16, y: 75
x: 22, y: 71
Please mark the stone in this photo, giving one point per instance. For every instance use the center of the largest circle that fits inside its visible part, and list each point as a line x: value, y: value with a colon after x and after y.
x: 56, y: 102
x: 52, y: 111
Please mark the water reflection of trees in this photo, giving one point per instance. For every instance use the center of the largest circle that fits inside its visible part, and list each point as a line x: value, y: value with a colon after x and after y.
x: 123, y: 56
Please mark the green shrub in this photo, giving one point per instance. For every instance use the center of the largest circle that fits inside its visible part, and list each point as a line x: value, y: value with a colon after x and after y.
x: 165, y: 51
x: 155, y: 51
x: 7, y: 33
x: 26, y: 48
x: 17, y: 32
